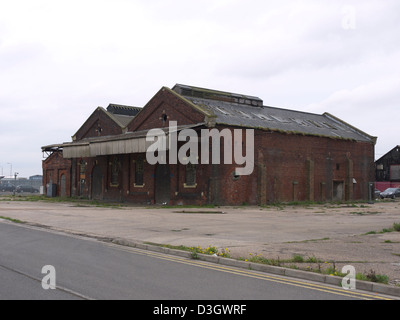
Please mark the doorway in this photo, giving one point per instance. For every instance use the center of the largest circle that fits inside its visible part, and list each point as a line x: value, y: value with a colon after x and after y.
x: 338, y: 191
x: 97, y: 183
x: 162, y: 184
x: 63, y: 190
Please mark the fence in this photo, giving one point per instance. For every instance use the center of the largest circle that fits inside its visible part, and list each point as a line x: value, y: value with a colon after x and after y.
x: 21, y: 182
x: 383, y: 185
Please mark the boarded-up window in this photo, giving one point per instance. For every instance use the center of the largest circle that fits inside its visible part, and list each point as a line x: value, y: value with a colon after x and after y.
x: 83, y: 169
x: 190, y: 179
x: 139, y: 170
x: 395, y: 172
x: 63, y: 192
x: 115, y: 166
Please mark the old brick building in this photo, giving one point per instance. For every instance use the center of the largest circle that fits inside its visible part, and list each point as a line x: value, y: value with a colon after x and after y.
x: 388, y: 170
x: 298, y: 156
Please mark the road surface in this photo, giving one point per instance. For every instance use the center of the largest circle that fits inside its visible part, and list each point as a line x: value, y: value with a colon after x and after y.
x: 89, y: 269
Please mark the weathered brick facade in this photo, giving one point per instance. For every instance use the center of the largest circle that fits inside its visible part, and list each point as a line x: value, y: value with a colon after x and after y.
x: 162, y: 108
x: 327, y: 160
x: 100, y: 123
x: 57, y: 171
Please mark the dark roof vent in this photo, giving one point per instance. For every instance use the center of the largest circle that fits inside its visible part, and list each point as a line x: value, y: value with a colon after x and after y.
x: 123, y: 110
x: 195, y: 92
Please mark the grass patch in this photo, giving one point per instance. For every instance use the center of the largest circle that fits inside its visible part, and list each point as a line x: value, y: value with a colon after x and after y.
x: 394, y: 228
x: 373, y: 277
x: 199, y: 212
x: 319, y: 266
x: 360, y: 213
x: 297, y: 258
x: 310, y: 240
x: 295, y: 262
x: 310, y: 204
x: 11, y: 219
x: 78, y: 202
x: 210, y: 250
x: 183, y: 206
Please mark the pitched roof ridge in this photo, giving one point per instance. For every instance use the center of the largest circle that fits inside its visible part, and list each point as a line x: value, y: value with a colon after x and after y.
x: 216, y: 95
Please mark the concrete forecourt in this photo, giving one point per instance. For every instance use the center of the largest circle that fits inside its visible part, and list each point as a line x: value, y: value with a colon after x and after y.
x: 295, y: 240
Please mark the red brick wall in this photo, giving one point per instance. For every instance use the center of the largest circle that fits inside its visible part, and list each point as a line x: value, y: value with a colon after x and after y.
x: 53, y: 168
x: 287, y: 168
x: 98, y: 119
x: 165, y: 102
x: 287, y: 157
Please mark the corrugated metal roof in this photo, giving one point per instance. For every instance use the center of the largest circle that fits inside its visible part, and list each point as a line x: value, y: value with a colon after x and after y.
x: 224, y: 108
x: 240, y: 113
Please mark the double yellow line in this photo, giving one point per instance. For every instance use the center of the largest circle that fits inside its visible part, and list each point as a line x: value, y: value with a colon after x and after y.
x: 255, y: 275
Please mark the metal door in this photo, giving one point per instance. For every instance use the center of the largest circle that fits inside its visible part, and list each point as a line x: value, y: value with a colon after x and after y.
x: 162, y: 184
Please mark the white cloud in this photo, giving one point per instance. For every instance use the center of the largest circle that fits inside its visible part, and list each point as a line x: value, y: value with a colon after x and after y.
x: 59, y: 60
x: 372, y: 107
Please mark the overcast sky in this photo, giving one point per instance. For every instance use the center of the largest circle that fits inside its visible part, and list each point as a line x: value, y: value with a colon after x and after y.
x: 59, y: 60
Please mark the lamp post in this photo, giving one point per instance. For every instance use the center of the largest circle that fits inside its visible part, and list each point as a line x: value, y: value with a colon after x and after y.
x: 15, y: 177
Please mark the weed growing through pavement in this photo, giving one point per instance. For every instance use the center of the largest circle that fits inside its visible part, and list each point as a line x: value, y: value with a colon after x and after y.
x: 210, y: 250
x: 313, y: 264
x: 11, y: 219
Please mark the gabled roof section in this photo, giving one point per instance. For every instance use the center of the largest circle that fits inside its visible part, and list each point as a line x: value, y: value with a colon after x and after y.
x: 248, y: 111
x: 167, y: 105
x: 395, y: 149
x: 101, y: 122
x: 122, y: 114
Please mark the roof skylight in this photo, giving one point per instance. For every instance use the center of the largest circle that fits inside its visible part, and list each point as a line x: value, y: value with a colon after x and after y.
x: 262, y: 116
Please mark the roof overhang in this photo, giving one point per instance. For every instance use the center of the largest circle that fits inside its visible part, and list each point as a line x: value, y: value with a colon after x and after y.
x: 132, y: 142
x: 102, y: 148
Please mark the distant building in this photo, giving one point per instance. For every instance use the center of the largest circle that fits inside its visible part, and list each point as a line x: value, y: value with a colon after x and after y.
x: 387, y: 170
x: 36, y: 178
x: 298, y: 156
